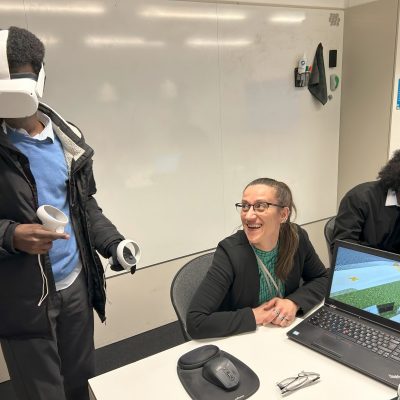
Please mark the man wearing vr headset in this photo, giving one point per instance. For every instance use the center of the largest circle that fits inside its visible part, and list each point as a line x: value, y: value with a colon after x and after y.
x: 49, y: 282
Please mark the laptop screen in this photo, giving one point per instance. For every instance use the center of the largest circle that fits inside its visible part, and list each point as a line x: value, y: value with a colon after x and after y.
x: 367, y: 281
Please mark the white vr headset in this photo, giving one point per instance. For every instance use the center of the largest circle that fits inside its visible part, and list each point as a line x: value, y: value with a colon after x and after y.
x: 18, y: 92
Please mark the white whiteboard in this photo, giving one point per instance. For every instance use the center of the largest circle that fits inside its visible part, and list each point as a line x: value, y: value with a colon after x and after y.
x: 186, y: 104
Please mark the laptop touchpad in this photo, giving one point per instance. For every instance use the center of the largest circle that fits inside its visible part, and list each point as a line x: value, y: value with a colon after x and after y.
x: 329, y: 344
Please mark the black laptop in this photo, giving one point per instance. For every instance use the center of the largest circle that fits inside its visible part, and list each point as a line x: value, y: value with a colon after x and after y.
x: 359, y: 323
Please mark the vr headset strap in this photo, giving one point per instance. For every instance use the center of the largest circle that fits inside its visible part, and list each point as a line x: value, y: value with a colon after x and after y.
x: 4, y: 72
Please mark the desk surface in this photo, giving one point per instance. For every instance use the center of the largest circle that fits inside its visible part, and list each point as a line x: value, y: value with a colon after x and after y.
x: 267, y: 351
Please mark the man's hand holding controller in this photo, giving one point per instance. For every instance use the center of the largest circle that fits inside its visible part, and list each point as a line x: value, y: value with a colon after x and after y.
x: 35, y: 238
x: 38, y: 239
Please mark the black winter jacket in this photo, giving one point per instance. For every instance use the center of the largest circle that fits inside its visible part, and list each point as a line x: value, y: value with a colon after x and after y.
x: 20, y: 276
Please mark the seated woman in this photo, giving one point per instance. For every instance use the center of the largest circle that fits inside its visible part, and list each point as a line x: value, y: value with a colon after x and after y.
x: 255, y: 277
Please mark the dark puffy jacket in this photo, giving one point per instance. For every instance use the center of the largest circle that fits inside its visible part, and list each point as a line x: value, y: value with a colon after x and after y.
x: 20, y: 276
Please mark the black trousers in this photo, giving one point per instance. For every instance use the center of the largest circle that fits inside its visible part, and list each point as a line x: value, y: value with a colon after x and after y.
x: 56, y: 369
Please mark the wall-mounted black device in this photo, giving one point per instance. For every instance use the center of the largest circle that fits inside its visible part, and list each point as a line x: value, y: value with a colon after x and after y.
x: 332, y: 58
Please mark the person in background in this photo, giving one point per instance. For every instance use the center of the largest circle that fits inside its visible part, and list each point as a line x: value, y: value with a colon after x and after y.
x: 49, y: 282
x: 369, y: 213
x: 266, y: 273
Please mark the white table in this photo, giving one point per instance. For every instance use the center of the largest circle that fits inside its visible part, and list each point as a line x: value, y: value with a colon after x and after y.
x: 267, y: 351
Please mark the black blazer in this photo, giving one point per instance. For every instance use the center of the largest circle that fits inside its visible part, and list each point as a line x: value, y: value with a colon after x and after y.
x: 223, y: 303
x: 363, y: 218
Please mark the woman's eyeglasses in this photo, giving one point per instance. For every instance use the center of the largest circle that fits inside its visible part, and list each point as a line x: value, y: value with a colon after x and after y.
x: 301, y: 380
x: 259, y: 207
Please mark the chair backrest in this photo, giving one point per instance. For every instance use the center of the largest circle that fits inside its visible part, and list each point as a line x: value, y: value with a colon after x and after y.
x: 185, y: 284
x: 328, y: 233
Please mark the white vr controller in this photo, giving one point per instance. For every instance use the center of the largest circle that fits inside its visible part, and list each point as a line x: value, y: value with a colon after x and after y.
x: 128, y: 251
x: 52, y: 218
x: 128, y: 254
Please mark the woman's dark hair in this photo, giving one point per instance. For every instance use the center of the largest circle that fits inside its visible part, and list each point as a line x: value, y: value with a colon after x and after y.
x: 24, y: 48
x: 389, y: 175
x: 288, y: 236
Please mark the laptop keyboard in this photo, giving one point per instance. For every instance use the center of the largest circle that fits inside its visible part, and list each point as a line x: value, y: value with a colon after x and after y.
x: 381, y: 343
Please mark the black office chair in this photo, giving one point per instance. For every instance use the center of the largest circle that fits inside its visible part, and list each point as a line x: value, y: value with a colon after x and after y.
x: 328, y: 233
x: 185, y: 284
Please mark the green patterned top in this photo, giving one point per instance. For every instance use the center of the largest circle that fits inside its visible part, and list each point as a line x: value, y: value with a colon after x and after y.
x: 268, y: 291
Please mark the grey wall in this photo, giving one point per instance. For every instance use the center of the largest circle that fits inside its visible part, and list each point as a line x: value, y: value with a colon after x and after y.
x: 367, y: 81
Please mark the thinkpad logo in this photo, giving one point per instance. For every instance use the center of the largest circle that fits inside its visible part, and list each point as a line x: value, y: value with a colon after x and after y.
x: 391, y: 376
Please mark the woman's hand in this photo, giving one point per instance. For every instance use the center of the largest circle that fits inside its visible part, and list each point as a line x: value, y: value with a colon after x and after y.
x: 263, y: 314
x: 277, y: 311
x: 284, y: 311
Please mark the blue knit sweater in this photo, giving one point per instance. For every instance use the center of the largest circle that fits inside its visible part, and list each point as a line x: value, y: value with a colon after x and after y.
x: 48, y: 167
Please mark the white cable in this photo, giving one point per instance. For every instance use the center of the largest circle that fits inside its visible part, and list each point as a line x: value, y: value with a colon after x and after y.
x: 45, y: 286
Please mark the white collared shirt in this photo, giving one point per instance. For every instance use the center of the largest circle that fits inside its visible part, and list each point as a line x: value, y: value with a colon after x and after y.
x: 47, y: 132
x: 391, y: 199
